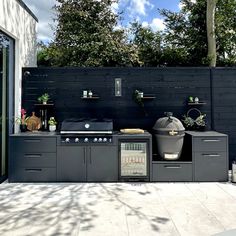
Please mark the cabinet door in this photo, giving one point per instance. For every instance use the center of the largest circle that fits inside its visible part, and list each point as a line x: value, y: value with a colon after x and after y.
x: 71, y: 163
x: 211, y: 166
x: 102, y: 163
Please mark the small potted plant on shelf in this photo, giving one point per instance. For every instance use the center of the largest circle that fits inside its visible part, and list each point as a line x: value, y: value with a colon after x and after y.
x: 44, y: 98
x: 22, y: 121
x: 52, y: 124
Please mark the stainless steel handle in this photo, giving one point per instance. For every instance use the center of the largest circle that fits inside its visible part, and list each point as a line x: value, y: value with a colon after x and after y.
x: 33, y: 155
x: 90, y: 158
x: 33, y: 170
x: 211, y: 155
x: 210, y: 140
x: 85, y: 155
x: 32, y: 140
x: 172, y: 167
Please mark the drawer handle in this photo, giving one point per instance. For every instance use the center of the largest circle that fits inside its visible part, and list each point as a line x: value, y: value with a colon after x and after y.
x: 210, y: 140
x: 173, y: 167
x: 33, y: 155
x: 32, y: 140
x: 33, y: 170
x: 211, y: 155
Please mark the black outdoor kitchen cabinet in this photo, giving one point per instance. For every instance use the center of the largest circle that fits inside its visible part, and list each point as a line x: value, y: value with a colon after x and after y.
x: 210, y: 155
x: 32, y: 158
x: 87, y: 163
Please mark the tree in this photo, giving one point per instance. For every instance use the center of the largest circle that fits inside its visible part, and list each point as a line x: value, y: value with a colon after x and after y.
x: 148, y: 44
x: 86, y: 35
x: 187, y: 30
x: 211, y: 36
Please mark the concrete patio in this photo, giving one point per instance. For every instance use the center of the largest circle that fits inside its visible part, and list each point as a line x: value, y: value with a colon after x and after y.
x: 117, y: 209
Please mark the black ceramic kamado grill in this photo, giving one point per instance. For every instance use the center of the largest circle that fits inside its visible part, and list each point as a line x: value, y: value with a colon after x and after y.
x: 169, y: 133
x: 82, y: 130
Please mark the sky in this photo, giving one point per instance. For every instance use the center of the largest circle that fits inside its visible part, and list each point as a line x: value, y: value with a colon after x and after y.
x: 145, y: 11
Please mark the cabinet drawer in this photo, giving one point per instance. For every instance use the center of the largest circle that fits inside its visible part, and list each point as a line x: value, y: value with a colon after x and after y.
x: 172, y: 172
x: 33, y: 159
x: 33, y: 175
x: 211, y: 166
x: 33, y: 144
x: 210, y: 144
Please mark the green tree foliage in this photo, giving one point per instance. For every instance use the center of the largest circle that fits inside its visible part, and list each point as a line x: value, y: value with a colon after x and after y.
x: 186, y: 30
x: 86, y: 35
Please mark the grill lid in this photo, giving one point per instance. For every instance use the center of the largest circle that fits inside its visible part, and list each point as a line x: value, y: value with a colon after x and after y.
x: 86, y: 126
x: 168, y: 124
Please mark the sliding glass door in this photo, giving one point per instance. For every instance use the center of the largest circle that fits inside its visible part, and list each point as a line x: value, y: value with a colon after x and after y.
x: 6, y: 73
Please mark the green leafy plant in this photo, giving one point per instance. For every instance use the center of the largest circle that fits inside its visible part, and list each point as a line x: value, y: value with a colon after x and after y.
x: 44, y: 98
x: 52, y: 121
x: 138, y: 98
x: 191, y: 123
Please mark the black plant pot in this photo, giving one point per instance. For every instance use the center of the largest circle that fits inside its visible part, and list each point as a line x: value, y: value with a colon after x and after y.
x: 23, y: 128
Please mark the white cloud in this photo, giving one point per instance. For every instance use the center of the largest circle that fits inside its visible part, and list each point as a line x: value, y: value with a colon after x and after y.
x: 145, y: 24
x: 44, y: 12
x: 180, y: 5
x: 139, y: 7
x: 115, y: 7
x: 157, y: 24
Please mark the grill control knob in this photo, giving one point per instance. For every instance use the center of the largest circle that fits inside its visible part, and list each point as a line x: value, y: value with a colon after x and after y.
x: 86, y: 140
x: 110, y: 140
x: 87, y: 126
x: 76, y: 140
x: 100, y: 140
x: 67, y: 140
x: 95, y: 140
x: 105, y: 140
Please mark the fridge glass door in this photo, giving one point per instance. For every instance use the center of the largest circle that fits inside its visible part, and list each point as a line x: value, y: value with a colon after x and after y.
x: 133, y: 159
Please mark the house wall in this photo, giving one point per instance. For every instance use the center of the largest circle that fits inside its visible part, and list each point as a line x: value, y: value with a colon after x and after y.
x: 17, y: 22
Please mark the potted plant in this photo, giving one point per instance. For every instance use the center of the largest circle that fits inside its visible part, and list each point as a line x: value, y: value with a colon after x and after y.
x: 44, y: 98
x: 22, y: 121
x: 52, y: 124
x: 138, y: 98
x: 197, y: 123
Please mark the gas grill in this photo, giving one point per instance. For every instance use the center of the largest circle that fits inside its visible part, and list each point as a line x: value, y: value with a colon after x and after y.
x: 77, y: 131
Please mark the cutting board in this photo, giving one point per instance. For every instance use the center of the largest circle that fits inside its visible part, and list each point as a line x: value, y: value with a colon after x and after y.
x: 33, y: 123
x: 132, y: 131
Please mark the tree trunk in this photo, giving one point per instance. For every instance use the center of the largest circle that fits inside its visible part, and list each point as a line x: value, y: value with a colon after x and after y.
x: 211, y: 37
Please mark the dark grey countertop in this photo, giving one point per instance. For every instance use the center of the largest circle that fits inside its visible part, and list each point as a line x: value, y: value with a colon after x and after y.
x: 49, y: 134
x: 38, y: 133
x: 205, y: 133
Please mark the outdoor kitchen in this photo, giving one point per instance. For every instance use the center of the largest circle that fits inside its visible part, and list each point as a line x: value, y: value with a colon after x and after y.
x: 109, y: 126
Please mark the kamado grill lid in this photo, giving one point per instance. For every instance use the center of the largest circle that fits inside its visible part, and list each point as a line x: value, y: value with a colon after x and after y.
x: 168, y: 124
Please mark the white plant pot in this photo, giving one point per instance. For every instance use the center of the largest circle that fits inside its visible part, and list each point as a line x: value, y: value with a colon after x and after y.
x: 44, y: 103
x: 52, y: 128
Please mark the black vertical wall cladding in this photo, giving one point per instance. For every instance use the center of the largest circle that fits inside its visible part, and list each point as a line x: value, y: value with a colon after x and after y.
x: 170, y: 86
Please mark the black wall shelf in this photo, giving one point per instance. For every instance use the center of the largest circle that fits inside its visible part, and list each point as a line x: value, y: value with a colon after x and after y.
x: 196, y: 103
x: 148, y: 97
x: 91, y: 98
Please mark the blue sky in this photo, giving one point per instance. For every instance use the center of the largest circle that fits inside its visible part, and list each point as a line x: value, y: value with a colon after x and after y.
x: 145, y: 11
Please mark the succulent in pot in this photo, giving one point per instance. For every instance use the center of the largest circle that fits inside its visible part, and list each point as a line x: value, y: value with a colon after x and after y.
x: 44, y: 98
x: 52, y: 124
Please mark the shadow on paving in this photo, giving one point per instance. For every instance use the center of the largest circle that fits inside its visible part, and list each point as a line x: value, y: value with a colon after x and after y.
x: 61, y: 209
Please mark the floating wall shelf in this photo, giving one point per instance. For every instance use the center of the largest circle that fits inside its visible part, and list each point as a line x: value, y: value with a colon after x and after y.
x: 148, y: 97
x: 196, y: 103
x: 90, y: 98
x: 44, y: 105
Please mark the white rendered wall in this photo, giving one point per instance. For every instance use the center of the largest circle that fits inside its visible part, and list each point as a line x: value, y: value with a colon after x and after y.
x: 16, y: 22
